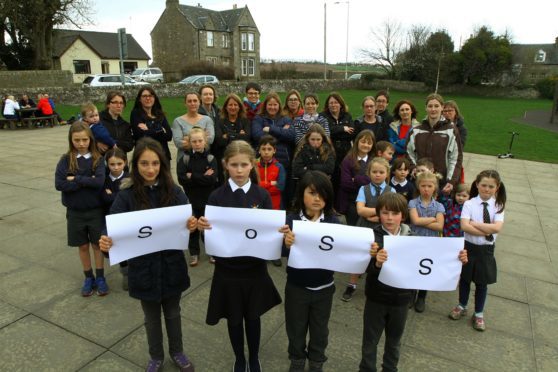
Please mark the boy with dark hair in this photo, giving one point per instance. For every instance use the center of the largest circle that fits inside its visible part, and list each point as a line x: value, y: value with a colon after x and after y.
x: 272, y: 174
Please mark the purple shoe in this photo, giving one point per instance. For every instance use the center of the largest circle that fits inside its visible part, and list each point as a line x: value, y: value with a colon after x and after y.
x: 182, y: 362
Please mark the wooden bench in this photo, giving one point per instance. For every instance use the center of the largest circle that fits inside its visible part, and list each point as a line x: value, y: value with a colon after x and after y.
x: 35, y: 122
x: 8, y: 123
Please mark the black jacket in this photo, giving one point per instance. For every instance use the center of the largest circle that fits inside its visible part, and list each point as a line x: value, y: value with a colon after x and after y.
x: 341, y: 140
x: 308, y: 158
x: 198, y: 186
x: 158, y: 129
x: 84, y: 192
x: 120, y: 130
x: 377, y: 291
x: 158, y: 275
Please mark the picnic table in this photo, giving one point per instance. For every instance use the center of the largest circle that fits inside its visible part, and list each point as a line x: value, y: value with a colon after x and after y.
x: 29, y: 121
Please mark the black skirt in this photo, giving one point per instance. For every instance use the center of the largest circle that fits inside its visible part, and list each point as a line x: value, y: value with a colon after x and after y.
x: 481, y: 265
x: 240, y: 297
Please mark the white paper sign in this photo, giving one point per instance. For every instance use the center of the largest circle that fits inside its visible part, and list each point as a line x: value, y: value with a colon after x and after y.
x: 330, y: 246
x: 137, y: 233
x: 244, y: 232
x: 417, y: 262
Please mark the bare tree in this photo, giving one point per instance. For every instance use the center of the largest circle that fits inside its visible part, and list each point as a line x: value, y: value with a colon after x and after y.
x: 386, y: 46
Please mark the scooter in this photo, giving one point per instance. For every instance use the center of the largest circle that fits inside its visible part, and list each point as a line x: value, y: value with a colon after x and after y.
x: 509, y: 153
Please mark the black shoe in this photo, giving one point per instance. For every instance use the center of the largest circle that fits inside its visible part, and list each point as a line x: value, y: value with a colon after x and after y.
x: 254, y: 366
x: 348, y: 295
x: 277, y: 263
x: 239, y: 366
x: 420, y: 305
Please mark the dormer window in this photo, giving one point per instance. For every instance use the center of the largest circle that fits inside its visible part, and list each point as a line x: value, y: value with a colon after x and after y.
x: 540, y: 56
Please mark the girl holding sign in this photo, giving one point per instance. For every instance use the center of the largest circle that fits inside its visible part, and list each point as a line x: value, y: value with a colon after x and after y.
x: 156, y: 279
x: 241, y: 289
x: 309, y: 292
x: 482, y: 219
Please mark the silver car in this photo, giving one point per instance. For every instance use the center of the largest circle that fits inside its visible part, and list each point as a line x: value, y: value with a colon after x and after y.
x: 109, y: 80
x: 200, y: 80
x: 152, y: 74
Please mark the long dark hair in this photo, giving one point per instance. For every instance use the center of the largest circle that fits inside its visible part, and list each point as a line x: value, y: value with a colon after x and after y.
x: 500, y: 195
x: 353, y: 152
x: 325, y: 150
x: 156, y: 110
x: 318, y: 181
x: 165, y: 181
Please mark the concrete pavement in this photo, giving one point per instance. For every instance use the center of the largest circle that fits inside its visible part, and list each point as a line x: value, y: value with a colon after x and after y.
x: 46, y: 325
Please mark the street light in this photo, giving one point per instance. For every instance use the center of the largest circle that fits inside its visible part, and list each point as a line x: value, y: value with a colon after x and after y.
x: 347, y: 41
x: 325, y: 38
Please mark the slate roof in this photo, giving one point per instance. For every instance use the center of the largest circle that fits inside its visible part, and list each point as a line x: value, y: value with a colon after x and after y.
x: 105, y: 44
x: 224, y: 21
x: 525, y: 53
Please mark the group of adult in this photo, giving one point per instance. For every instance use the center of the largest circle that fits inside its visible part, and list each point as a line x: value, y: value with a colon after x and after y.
x: 440, y: 136
x: 26, y: 107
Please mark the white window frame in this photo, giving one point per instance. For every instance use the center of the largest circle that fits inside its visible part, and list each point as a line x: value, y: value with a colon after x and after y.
x: 210, y: 40
x: 540, y: 56
x: 244, y: 41
x: 248, y: 67
x: 251, y: 41
x: 212, y: 60
x: 226, y: 40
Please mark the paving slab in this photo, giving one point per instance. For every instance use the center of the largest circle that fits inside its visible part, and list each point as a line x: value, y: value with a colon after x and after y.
x: 542, y: 293
x: 10, y: 314
x: 110, y: 362
x: 545, y: 325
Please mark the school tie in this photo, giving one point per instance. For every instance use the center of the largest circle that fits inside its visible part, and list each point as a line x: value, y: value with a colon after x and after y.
x: 378, y: 190
x: 239, y: 197
x: 362, y: 166
x: 486, y: 219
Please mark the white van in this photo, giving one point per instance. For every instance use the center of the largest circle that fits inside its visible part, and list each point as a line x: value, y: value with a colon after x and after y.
x: 152, y: 74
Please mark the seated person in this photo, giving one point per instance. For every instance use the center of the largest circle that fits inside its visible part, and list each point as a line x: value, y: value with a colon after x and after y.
x: 25, y: 102
x: 58, y: 117
x: 43, y: 107
x: 10, y: 107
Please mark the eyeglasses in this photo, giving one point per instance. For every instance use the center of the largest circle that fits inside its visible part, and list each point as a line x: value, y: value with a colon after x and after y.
x: 116, y: 103
x: 293, y: 99
x: 253, y: 93
x: 449, y: 110
x: 146, y: 96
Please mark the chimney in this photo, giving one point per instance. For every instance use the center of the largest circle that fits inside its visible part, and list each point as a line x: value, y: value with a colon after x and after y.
x: 199, y: 5
x: 171, y: 3
x: 556, y: 42
x: 234, y: 7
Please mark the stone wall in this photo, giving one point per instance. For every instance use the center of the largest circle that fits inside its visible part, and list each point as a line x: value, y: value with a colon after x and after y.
x: 14, y: 80
x: 76, y: 94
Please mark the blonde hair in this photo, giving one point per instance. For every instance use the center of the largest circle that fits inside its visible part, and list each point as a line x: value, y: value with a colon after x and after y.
x: 240, y: 147
x: 198, y: 130
x: 429, y: 177
x: 379, y: 160
x: 86, y: 108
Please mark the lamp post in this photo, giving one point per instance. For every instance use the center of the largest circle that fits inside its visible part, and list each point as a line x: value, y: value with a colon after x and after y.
x: 325, y: 38
x: 347, y: 41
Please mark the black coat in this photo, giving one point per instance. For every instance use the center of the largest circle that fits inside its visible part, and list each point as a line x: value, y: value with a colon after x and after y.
x: 308, y: 158
x: 120, y: 130
x: 158, y: 275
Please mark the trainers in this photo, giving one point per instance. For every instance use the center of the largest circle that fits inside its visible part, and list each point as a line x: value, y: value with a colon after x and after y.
x: 420, y: 305
x: 194, y: 260
x: 102, y: 287
x: 315, y: 366
x: 182, y: 362
x: 348, y: 295
x: 478, y: 323
x: 277, y: 263
x: 154, y: 365
x: 457, y: 313
x: 297, y: 365
x: 87, y: 289
x: 211, y: 260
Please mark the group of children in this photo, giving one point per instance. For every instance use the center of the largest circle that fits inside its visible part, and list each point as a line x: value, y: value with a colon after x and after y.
x: 372, y: 193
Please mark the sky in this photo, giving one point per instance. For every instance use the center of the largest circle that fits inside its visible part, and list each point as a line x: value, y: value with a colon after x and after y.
x: 294, y: 29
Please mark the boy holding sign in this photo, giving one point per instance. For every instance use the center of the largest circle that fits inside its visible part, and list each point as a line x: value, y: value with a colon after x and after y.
x: 386, y: 306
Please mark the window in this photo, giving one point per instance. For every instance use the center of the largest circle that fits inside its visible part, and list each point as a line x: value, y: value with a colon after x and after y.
x: 105, y: 67
x: 212, y: 60
x: 251, y: 42
x: 82, y: 66
x: 540, y: 56
x: 244, y: 41
x: 209, y: 38
x: 248, y: 67
x: 226, y: 40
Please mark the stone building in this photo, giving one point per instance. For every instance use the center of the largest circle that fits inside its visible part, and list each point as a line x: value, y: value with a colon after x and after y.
x: 534, y: 62
x: 90, y: 52
x: 188, y: 34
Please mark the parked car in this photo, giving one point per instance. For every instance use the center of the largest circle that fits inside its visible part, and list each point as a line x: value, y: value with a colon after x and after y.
x: 152, y: 74
x: 109, y: 80
x: 200, y: 80
x: 355, y: 77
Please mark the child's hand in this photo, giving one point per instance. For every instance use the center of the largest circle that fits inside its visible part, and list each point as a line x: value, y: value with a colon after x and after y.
x: 288, y: 235
x: 242, y: 131
x: 105, y: 243
x: 189, y: 175
x: 203, y: 224
x: 192, y: 223
x: 70, y: 178
x: 108, y: 191
x: 186, y: 142
x: 273, y: 183
x: 266, y: 129
x: 447, y: 188
x: 142, y: 126
x: 381, y: 257
x: 463, y: 256
x: 374, y: 248
x: 209, y: 172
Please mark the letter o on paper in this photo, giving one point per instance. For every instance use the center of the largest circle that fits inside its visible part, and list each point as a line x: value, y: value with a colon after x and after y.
x: 251, y: 234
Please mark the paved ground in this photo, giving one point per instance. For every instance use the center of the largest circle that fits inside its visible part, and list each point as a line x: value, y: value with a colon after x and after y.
x: 46, y: 325
x: 539, y: 119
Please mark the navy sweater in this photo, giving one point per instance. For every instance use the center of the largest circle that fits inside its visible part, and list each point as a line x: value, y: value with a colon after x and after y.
x: 257, y: 197
x: 84, y: 192
x: 311, y: 278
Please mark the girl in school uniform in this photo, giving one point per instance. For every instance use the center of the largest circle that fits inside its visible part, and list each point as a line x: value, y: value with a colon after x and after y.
x: 241, y: 289
x: 117, y: 163
x: 314, y: 152
x: 156, y: 279
x: 80, y: 175
x: 309, y: 292
x: 481, y: 221
x: 427, y: 218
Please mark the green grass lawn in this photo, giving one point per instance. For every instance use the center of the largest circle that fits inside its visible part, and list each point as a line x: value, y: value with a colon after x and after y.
x: 489, y: 121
